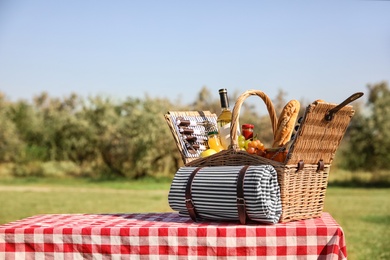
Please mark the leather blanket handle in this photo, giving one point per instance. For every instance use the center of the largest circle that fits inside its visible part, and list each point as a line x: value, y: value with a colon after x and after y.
x: 189, y: 202
x: 241, y: 208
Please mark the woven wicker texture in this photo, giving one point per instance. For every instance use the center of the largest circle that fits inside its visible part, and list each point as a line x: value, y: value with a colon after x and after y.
x: 235, y: 125
x: 303, y: 185
x: 318, y: 139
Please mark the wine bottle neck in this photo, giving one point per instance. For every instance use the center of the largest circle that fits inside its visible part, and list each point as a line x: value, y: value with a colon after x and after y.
x: 224, y: 99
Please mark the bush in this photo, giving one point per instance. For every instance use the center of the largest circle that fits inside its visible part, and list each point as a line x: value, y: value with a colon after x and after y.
x: 30, y: 169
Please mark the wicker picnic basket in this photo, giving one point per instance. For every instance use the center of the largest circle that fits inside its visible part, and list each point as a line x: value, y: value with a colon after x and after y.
x: 303, y: 176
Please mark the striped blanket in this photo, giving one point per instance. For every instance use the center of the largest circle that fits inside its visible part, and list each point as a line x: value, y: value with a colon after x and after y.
x: 214, y: 193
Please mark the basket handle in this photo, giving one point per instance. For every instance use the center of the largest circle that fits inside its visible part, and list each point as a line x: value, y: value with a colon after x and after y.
x: 330, y: 114
x: 236, y: 112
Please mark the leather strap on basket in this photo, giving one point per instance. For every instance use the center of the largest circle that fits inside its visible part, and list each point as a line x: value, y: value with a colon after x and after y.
x: 320, y: 165
x: 240, y: 195
x: 330, y: 114
x: 189, y: 202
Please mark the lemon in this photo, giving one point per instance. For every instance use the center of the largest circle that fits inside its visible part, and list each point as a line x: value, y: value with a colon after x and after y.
x: 208, y: 152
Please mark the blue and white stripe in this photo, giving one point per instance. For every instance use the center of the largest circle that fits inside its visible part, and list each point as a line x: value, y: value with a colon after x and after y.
x: 214, y: 193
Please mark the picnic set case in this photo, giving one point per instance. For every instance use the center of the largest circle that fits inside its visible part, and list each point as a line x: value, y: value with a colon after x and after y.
x: 303, y: 176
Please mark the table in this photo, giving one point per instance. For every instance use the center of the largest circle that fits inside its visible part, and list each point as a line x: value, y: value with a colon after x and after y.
x: 167, y: 236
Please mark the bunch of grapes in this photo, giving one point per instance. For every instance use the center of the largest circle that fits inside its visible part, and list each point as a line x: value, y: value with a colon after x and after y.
x: 251, y: 146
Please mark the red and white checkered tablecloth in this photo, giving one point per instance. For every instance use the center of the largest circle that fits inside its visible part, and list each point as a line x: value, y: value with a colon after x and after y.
x: 166, y: 236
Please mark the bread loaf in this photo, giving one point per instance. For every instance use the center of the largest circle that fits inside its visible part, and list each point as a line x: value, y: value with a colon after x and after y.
x: 286, y: 123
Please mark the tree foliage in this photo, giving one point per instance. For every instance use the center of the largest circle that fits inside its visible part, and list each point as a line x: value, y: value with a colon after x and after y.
x: 369, y: 133
x: 130, y: 138
x: 11, y: 145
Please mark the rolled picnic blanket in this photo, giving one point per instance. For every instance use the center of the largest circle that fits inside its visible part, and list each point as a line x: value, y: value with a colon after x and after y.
x: 213, y: 192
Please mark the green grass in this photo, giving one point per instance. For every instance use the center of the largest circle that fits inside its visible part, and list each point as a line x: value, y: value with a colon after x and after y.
x: 363, y: 213
x: 21, y: 198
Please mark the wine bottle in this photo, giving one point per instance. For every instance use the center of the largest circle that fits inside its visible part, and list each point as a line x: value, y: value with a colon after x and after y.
x: 224, y: 119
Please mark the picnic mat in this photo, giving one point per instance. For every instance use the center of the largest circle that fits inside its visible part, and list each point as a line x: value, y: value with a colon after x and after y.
x: 214, y: 193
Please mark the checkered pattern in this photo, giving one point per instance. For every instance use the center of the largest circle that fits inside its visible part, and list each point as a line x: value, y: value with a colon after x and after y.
x: 166, y: 236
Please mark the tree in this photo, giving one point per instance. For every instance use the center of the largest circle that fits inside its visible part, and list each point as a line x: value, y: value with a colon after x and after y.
x: 11, y: 146
x: 369, y: 134
x: 136, y: 142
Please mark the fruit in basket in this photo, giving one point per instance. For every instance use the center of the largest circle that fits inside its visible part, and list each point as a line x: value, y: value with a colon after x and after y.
x: 208, y: 152
x: 251, y: 150
x: 246, y: 144
x: 257, y: 144
x: 241, y: 142
x: 260, y: 152
x: 255, y: 147
x: 278, y: 155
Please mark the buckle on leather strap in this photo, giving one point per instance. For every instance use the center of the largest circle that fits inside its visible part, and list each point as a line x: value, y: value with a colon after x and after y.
x: 240, y: 201
x: 189, y: 203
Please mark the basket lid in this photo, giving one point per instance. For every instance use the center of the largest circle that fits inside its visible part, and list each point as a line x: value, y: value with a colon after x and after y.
x: 317, y: 138
x: 203, y: 122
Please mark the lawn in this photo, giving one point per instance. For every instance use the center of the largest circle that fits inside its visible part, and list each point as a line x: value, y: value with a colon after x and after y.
x: 364, y: 214
x: 21, y: 198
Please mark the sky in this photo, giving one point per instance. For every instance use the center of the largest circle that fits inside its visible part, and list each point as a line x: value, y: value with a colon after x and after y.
x: 171, y: 49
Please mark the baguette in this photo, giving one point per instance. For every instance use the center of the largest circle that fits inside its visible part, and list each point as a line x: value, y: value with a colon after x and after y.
x: 286, y: 123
